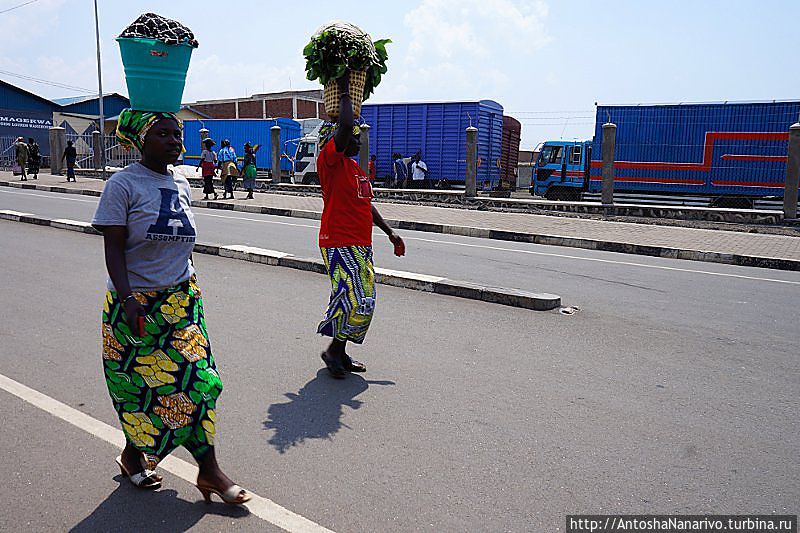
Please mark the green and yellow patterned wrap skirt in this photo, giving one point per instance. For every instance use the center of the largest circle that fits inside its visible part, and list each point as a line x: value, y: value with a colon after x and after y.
x: 352, y: 300
x: 165, y: 385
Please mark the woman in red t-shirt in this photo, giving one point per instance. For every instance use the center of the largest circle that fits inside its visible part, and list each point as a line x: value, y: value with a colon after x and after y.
x: 345, y: 237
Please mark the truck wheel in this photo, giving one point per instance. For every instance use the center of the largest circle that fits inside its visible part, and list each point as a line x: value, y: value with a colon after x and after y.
x: 732, y: 202
x: 554, y: 193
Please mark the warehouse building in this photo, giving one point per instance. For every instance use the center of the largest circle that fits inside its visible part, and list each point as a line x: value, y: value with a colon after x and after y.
x: 25, y: 114
x: 286, y: 104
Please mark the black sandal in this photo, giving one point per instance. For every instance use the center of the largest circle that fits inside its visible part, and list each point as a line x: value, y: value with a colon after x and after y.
x: 334, y: 366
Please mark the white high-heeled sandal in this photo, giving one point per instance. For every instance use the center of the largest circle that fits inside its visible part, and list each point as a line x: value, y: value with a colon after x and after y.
x: 235, y: 495
x: 146, y: 479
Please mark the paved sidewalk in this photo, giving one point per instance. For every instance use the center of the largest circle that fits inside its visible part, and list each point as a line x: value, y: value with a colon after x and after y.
x: 730, y: 247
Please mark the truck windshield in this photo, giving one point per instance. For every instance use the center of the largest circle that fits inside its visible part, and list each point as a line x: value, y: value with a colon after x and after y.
x: 306, y: 149
x: 551, y: 155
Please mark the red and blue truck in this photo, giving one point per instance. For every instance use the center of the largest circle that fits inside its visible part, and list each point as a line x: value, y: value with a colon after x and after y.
x: 728, y: 153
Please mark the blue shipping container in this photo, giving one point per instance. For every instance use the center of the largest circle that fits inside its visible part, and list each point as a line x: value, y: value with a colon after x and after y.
x: 438, y: 131
x: 240, y: 131
x: 726, y: 149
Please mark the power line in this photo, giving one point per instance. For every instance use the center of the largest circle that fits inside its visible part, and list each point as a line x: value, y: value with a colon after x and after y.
x: 17, y: 7
x: 550, y: 112
x: 47, y: 82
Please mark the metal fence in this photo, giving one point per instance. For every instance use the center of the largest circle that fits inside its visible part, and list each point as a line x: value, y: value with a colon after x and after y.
x: 83, y: 145
x: 7, y: 153
x: 116, y: 154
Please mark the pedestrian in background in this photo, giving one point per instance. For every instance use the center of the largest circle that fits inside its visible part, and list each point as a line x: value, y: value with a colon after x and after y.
x: 400, y: 171
x: 372, y: 169
x: 157, y: 358
x: 249, y: 169
x: 229, y: 168
x: 345, y: 237
x: 419, y: 172
x: 21, y: 153
x: 70, y: 156
x: 34, y: 158
x: 208, y: 165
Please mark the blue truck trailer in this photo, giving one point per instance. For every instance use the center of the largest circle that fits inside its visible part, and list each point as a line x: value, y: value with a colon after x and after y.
x: 437, y: 130
x: 731, y: 153
x: 240, y: 131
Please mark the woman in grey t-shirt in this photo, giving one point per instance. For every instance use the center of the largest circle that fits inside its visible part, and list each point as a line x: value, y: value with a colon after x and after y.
x: 156, y: 354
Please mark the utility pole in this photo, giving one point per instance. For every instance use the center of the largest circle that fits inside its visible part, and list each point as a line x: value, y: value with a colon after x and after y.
x: 100, y: 95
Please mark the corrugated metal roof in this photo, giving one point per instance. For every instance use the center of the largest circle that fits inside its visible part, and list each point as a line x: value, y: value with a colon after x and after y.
x: 13, y: 97
x: 715, y: 102
x: 83, y: 98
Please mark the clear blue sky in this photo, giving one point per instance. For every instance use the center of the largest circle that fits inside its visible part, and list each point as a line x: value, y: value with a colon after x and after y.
x: 546, y: 62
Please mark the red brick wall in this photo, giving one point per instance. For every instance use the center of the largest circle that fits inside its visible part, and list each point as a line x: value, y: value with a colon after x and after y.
x: 279, y: 108
x: 227, y: 110
x: 251, y: 109
x: 306, y: 109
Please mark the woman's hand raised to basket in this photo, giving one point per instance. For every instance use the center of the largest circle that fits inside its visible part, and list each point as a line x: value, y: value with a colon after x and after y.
x: 345, y: 130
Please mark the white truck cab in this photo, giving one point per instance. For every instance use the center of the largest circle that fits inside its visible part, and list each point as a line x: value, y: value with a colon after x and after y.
x: 305, y: 159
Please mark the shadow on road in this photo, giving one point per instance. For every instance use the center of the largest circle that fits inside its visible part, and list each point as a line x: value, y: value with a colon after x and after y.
x: 315, y: 412
x: 132, y: 509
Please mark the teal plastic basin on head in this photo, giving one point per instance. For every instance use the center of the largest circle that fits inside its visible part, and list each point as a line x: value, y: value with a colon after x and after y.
x: 155, y: 73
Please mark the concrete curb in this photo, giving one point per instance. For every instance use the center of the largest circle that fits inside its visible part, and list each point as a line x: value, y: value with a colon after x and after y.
x: 395, y: 278
x: 485, y: 233
x: 538, y: 238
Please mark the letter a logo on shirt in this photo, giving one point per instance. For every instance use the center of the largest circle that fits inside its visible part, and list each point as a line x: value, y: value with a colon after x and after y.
x: 172, y: 219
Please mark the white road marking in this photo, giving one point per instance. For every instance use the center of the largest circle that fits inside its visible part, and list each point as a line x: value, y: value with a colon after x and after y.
x: 598, y: 260
x: 261, y: 507
x: 253, y: 219
x: 496, y: 248
x: 62, y: 196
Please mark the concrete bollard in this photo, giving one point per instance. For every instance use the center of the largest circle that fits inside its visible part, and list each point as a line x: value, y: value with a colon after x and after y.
x: 363, y: 155
x: 792, y: 173
x: 97, y: 150
x: 471, y: 181
x: 58, y: 141
x: 609, y: 147
x: 275, y: 138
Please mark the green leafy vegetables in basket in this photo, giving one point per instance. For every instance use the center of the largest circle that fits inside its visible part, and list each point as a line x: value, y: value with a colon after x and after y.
x: 338, y: 47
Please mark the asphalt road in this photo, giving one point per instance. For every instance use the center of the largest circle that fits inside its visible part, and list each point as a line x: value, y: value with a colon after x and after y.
x: 472, y: 417
x: 723, y: 302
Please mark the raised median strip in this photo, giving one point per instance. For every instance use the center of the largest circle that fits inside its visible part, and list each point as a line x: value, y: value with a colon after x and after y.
x: 384, y: 276
x: 775, y: 263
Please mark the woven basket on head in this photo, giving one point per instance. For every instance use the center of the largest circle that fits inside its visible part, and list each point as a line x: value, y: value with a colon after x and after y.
x: 358, y: 78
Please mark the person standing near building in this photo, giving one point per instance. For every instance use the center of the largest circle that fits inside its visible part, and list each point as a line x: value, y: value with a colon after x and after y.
x: 21, y: 153
x: 249, y: 169
x: 34, y: 158
x: 372, y: 169
x: 70, y: 156
x: 400, y: 171
x: 208, y: 164
x: 345, y: 237
x: 419, y: 173
x: 229, y: 168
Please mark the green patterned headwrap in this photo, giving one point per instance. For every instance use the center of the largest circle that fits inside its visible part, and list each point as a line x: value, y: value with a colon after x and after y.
x: 132, y: 126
